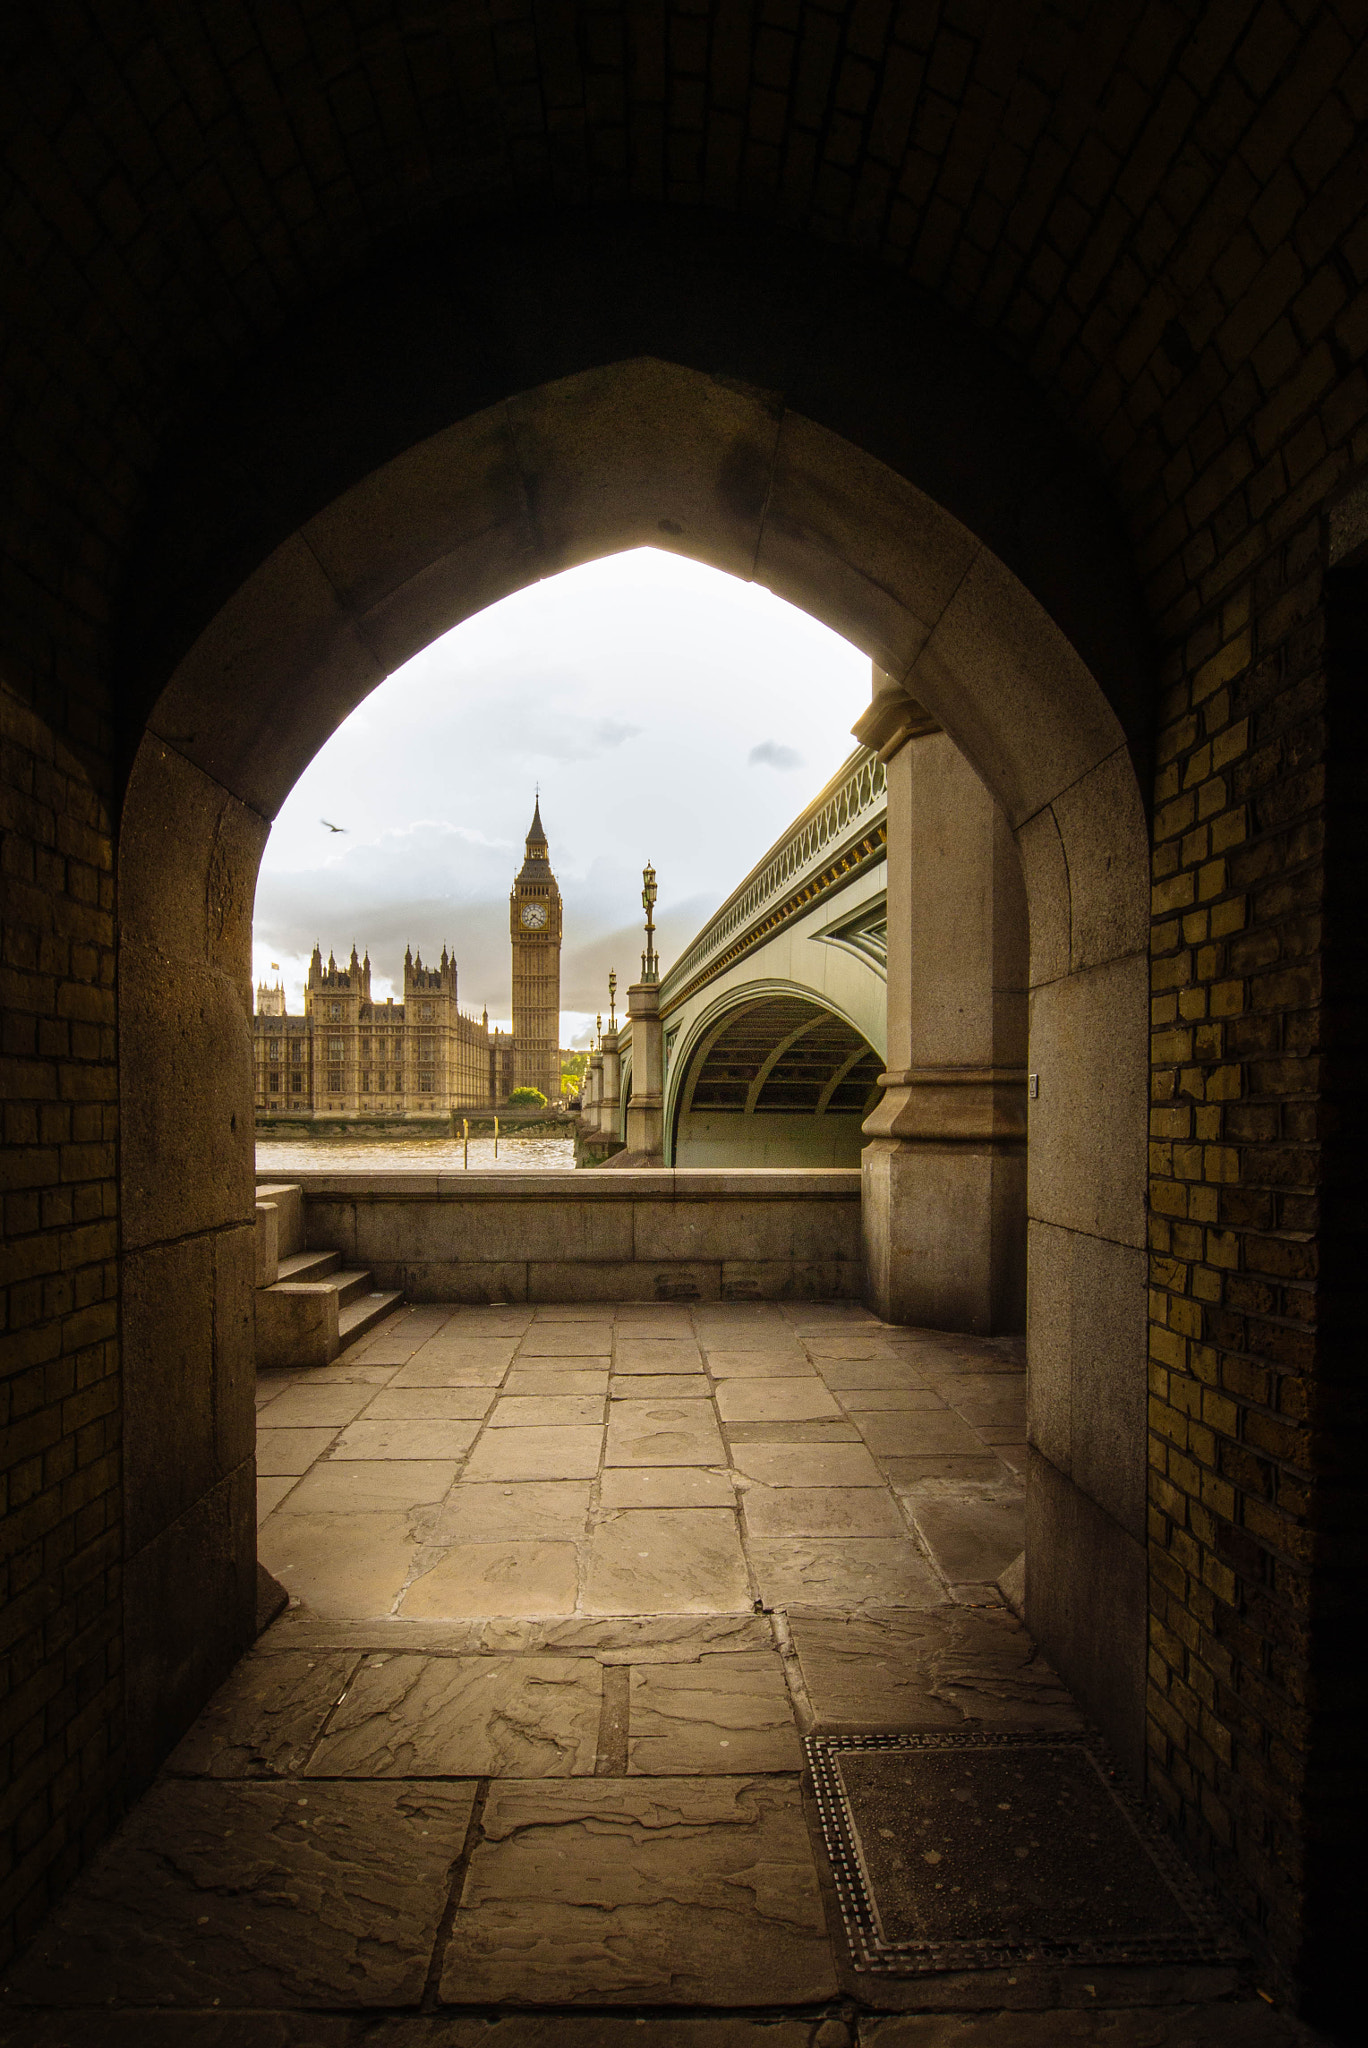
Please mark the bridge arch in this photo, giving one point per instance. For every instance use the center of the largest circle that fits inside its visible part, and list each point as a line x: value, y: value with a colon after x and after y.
x: 733, y: 1098
x: 632, y: 450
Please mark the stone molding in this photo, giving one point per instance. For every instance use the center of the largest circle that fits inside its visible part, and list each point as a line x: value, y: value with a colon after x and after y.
x: 894, y: 717
x: 663, y: 1183
x: 969, y: 1105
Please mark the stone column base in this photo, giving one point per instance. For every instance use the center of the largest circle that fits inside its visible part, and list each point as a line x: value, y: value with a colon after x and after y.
x: 646, y: 1133
x: 943, y: 1239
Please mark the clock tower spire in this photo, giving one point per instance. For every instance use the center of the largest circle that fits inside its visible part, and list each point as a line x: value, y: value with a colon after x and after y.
x: 534, y: 916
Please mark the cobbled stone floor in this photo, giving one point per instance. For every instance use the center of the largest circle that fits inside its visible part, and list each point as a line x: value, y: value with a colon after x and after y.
x: 520, y: 1764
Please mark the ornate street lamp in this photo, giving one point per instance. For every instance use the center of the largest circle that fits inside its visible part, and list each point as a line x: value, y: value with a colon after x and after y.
x: 612, y: 999
x: 650, y: 965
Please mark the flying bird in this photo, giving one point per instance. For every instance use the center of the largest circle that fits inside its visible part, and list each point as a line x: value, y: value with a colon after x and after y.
x: 330, y: 825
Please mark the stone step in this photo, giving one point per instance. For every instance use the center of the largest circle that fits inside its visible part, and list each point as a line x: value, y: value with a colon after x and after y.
x: 304, y: 1321
x: 296, y: 1325
x: 308, y: 1303
x: 309, y: 1265
x: 350, y: 1285
x: 361, y: 1315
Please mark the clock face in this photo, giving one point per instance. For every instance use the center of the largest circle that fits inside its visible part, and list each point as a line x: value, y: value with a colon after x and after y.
x: 534, y: 916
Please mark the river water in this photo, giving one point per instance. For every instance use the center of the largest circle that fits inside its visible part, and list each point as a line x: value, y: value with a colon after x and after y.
x: 418, y: 1155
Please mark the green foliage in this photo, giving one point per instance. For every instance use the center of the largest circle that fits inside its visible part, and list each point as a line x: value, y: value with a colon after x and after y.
x: 527, y: 1098
x: 573, y: 1065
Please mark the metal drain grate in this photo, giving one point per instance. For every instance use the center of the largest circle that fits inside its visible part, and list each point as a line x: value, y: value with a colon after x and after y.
x: 961, y: 1852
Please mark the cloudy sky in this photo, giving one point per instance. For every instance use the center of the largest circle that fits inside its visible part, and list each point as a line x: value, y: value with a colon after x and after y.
x: 668, y: 712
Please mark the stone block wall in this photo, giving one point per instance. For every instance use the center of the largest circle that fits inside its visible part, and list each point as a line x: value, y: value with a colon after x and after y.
x: 61, y: 1720
x: 187, y: 861
x: 1256, y: 1431
x: 652, y: 1235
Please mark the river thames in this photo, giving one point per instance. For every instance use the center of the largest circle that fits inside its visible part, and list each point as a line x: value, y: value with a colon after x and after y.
x: 420, y: 1155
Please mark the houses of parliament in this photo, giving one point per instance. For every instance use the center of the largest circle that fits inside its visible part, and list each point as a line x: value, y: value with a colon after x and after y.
x: 349, y: 1055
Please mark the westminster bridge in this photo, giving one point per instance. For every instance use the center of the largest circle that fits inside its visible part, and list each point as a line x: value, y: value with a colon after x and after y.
x: 774, y: 1019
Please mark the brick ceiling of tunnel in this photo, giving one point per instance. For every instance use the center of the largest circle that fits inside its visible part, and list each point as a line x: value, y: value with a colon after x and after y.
x: 1106, y: 189
x: 811, y: 1062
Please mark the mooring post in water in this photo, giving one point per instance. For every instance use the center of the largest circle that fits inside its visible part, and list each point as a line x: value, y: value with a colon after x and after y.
x: 465, y: 1133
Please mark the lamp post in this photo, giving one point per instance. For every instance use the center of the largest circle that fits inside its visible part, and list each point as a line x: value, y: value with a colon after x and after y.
x: 645, y: 1110
x: 650, y: 965
x: 609, y: 1116
x: 592, y: 1087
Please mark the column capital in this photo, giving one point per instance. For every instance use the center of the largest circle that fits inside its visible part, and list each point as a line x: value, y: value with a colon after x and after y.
x: 643, y: 999
x: 893, y: 718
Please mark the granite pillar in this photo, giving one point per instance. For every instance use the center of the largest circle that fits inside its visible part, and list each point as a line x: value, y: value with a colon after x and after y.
x: 945, y: 1159
x: 610, y: 1088
x: 646, y: 1110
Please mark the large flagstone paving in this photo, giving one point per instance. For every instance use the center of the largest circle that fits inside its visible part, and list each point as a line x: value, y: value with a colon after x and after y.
x: 757, y: 1397
x: 675, y: 1891
x: 566, y: 1588
x: 724, y: 1713
x: 217, y: 1892
x: 464, y: 1717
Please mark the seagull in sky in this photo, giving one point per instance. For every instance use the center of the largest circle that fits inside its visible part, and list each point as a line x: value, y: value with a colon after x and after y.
x: 330, y: 825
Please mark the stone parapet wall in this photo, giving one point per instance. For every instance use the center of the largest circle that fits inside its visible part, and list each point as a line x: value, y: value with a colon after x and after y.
x: 667, y: 1235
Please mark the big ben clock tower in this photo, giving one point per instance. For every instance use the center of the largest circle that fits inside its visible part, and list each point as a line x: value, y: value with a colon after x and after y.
x: 534, y: 913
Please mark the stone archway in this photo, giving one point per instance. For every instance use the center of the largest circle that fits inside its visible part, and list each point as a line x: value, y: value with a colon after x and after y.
x: 641, y: 450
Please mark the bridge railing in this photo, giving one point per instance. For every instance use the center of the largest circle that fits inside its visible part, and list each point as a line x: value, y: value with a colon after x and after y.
x: 846, y: 817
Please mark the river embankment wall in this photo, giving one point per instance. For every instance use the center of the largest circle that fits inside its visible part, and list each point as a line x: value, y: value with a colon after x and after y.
x: 670, y: 1234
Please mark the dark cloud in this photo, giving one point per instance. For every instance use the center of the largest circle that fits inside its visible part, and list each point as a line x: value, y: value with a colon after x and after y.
x: 591, y: 948
x: 431, y: 885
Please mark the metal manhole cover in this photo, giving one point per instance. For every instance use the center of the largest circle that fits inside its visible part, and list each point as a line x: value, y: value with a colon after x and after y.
x: 959, y: 1851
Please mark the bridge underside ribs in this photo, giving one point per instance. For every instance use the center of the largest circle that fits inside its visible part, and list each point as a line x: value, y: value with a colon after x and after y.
x: 787, y: 1057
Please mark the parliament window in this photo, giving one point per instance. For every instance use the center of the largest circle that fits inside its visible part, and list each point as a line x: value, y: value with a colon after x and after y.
x: 335, y: 1048
x: 425, y: 1084
x: 335, y: 1080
